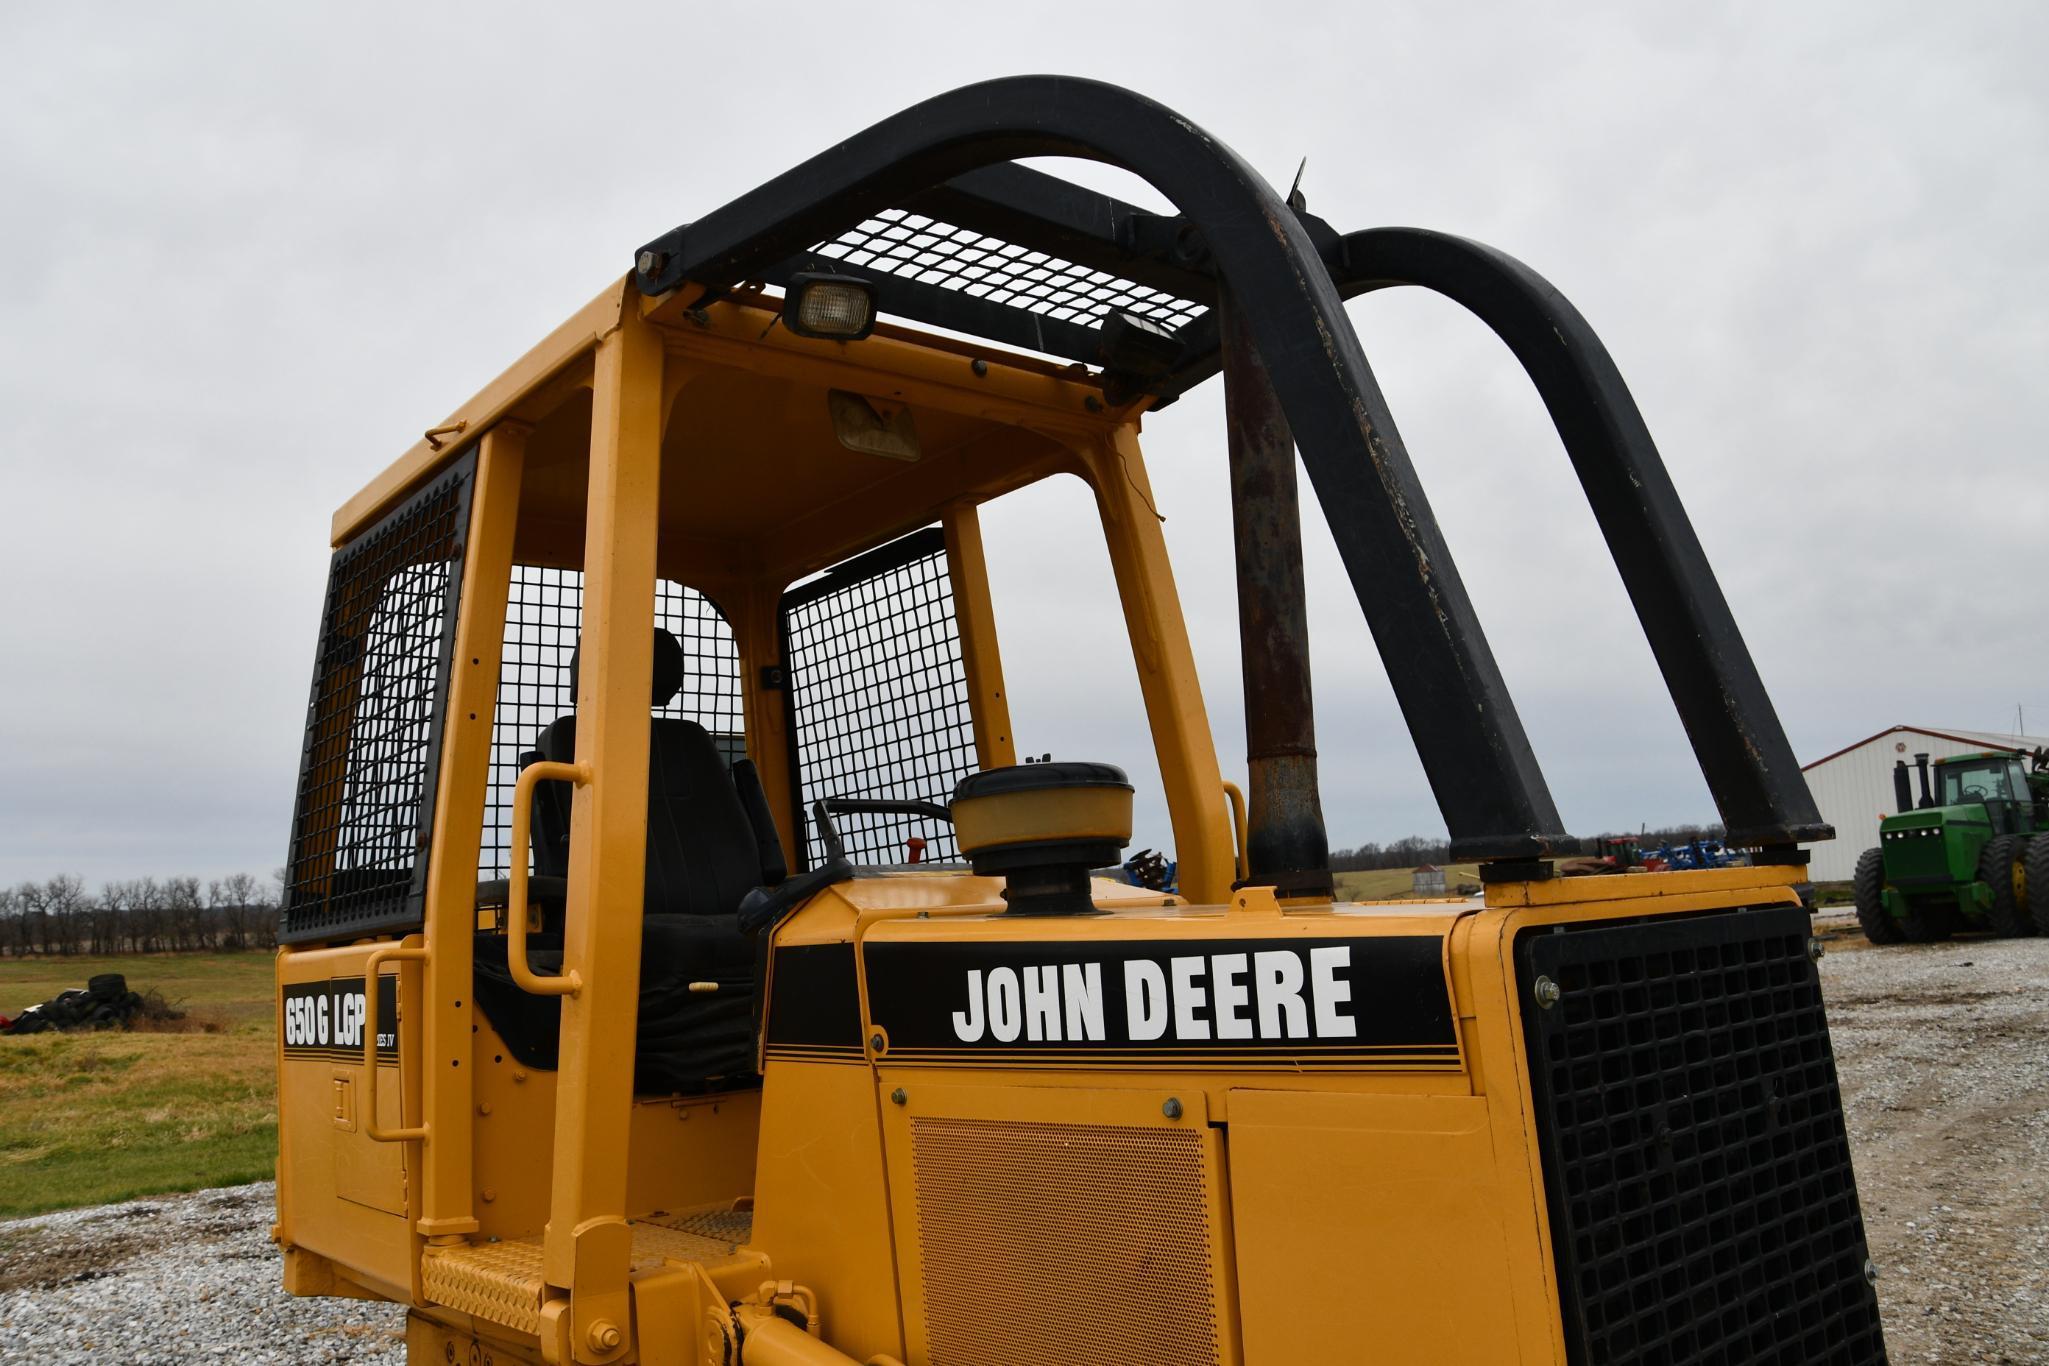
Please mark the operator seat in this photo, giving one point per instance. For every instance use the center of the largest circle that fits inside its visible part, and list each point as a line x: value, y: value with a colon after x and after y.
x: 704, y: 849
x: 710, y: 842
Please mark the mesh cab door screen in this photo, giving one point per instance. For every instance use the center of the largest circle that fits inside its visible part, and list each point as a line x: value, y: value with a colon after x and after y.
x: 372, y: 756
x: 878, y: 697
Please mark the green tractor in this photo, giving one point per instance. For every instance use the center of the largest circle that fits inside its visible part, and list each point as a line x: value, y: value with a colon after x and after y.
x: 1962, y: 857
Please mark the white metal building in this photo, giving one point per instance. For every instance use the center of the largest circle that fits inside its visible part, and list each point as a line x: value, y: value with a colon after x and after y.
x: 1853, y: 786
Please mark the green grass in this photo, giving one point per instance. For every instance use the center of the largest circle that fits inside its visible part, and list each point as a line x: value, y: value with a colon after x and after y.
x: 90, y: 1118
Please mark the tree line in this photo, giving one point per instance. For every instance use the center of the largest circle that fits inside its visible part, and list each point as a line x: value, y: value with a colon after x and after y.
x: 59, y: 917
x: 1415, y: 850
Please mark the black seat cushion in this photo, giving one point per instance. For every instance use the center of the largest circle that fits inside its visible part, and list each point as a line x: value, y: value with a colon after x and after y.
x: 687, y: 1041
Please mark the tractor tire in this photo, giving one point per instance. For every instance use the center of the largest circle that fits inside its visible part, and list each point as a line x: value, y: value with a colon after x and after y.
x: 2037, y: 862
x: 1869, y: 888
x: 1922, y: 923
x: 1998, y: 864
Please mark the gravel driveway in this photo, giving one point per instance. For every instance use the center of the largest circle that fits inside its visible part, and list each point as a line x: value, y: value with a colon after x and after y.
x: 1943, y: 1051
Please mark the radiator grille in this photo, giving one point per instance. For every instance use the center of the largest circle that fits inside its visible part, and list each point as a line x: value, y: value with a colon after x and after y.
x: 1702, y: 1203
x: 1061, y: 1243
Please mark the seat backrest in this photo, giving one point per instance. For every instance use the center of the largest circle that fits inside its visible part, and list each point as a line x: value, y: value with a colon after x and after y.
x: 703, y: 854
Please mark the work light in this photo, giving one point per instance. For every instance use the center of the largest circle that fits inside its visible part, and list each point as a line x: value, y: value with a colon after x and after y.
x: 841, y: 307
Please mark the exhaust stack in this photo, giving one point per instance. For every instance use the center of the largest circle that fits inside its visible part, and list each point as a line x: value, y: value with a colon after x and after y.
x: 1902, y: 787
x: 1927, y: 793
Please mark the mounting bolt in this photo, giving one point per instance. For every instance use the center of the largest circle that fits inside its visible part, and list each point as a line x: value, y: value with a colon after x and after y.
x: 490, y: 1194
x: 979, y: 366
x: 1093, y: 404
x: 650, y: 263
x: 448, y: 1351
x: 1172, y: 1109
x: 898, y: 1096
x: 877, y: 1042
x: 1870, y: 1272
x: 1815, y: 949
x: 605, y: 1336
x: 1546, y: 992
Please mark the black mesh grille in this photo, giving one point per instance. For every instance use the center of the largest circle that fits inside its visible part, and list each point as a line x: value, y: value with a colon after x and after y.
x: 913, y: 246
x: 879, y: 696
x: 543, y: 613
x: 365, y: 804
x: 1702, y: 1203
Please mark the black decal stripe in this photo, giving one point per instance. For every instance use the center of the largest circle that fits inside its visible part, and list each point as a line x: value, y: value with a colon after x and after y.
x: 1184, y: 1062
x: 1400, y: 1004
x: 814, y: 1000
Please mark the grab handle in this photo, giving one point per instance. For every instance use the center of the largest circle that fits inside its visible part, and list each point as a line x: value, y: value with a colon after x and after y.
x: 371, y: 966
x: 1238, y: 829
x: 568, y: 982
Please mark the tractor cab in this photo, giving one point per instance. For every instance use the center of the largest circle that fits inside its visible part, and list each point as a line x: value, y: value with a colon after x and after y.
x: 679, y: 964
x: 1998, y: 782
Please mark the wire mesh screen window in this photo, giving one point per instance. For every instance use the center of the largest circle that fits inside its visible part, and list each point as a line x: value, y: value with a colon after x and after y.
x: 543, y: 614
x: 879, y: 696
x: 372, y: 751
x: 913, y: 246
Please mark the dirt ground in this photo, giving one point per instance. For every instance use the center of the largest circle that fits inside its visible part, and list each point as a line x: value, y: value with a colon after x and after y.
x: 1943, y: 1054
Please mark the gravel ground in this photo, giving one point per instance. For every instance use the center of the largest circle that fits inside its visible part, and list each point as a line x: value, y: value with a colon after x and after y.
x: 177, y: 1279
x: 1944, y: 1057
x: 1943, y: 1051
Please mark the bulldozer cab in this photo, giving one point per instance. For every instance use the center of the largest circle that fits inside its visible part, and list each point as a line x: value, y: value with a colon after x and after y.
x: 680, y: 965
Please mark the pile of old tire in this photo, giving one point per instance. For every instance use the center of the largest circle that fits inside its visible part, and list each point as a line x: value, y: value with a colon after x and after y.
x: 106, y: 1003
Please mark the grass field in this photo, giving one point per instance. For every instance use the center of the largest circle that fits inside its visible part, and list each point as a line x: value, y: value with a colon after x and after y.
x: 89, y: 1118
x: 1396, y: 884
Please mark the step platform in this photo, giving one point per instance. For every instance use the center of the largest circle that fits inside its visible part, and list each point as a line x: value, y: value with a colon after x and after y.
x: 502, y: 1281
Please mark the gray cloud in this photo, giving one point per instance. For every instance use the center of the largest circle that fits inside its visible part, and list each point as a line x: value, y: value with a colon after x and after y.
x: 252, y: 253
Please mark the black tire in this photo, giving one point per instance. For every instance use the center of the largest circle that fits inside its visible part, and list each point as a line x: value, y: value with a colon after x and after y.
x: 1926, y: 923
x: 108, y: 986
x: 1869, y: 889
x: 2037, y: 861
x: 1998, y: 863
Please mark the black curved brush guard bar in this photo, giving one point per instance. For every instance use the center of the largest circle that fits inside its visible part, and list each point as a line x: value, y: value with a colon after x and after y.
x: 1477, y: 757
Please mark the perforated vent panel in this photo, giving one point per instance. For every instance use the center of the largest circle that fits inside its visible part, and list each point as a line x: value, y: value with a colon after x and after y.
x: 879, y: 696
x: 1702, y: 1203
x: 373, y: 725
x: 916, y: 247
x: 1063, y: 1243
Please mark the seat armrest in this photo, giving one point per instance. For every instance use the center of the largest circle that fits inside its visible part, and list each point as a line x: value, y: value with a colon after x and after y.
x: 541, y: 890
x: 762, y: 909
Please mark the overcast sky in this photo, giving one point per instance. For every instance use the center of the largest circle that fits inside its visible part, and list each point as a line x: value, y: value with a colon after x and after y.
x: 250, y: 252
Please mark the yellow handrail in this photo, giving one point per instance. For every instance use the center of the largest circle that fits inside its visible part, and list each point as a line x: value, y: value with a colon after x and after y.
x: 567, y: 983
x: 371, y: 965
x: 1238, y: 827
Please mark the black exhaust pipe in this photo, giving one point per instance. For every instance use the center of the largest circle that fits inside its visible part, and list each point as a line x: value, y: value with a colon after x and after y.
x: 1927, y: 793
x: 1902, y: 787
x: 1285, y: 845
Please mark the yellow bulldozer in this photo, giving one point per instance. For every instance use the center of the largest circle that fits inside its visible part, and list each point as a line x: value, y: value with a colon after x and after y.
x: 679, y: 966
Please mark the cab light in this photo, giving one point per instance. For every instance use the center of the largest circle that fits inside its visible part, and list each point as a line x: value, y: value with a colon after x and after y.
x: 838, y: 307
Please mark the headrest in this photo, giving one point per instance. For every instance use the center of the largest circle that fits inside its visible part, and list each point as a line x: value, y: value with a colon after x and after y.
x: 668, y: 669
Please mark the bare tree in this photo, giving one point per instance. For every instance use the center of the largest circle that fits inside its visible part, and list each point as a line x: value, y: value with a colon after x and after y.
x: 109, y: 917
x: 185, y: 910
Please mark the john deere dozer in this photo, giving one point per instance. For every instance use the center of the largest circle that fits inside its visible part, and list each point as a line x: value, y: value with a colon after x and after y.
x: 680, y: 967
